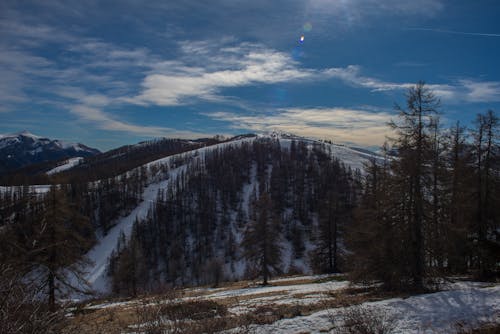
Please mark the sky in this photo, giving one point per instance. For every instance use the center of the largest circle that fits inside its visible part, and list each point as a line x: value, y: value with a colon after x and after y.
x: 110, y: 73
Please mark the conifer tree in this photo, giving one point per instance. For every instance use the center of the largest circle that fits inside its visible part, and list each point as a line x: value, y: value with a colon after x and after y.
x: 63, y: 236
x: 487, y: 193
x: 414, y: 132
x: 261, y: 238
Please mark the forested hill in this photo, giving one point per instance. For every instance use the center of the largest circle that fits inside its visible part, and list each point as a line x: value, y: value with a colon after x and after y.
x: 196, y: 217
x: 102, y: 165
x: 240, y: 210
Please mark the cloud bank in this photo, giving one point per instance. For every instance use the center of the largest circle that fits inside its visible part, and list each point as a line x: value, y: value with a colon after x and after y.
x: 340, y: 124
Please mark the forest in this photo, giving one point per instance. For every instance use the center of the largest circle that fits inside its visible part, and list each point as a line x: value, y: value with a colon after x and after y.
x: 424, y: 209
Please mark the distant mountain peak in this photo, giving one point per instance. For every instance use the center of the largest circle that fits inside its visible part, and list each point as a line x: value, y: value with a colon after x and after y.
x: 24, y: 148
x: 23, y: 133
x: 26, y: 133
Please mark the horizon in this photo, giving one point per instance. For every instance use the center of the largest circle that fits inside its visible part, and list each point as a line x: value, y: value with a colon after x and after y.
x: 221, y: 138
x: 107, y: 74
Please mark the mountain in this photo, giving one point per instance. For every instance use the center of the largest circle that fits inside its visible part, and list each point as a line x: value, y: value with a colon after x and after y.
x: 22, y: 149
x: 124, y: 158
x: 188, y: 206
x: 190, y: 212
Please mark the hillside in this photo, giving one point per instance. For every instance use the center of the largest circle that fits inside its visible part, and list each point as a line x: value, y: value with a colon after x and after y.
x: 215, y: 187
x: 180, y: 176
x: 85, y: 167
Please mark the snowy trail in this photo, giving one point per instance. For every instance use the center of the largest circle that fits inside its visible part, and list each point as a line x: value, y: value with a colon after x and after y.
x: 99, y: 255
x: 68, y: 164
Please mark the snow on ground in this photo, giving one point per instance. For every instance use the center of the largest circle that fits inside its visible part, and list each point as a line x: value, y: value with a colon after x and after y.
x: 302, y: 278
x: 469, y: 303
x: 99, y: 254
x: 350, y: 157
x: 37, y: 189
x: 288, y: 289
x: 70, y: 163
x: 429, y: 313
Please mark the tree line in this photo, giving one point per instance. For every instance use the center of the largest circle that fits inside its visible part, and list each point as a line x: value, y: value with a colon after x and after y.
x: 432, y: 209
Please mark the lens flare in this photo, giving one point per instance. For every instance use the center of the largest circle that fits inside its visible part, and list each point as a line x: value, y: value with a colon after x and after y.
x: 307, y: 27
x: 301, y: 39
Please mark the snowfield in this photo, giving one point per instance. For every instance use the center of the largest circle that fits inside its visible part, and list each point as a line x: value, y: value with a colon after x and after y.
x: 430, y: 313
x: 70, y: 163
x: 468, y: 303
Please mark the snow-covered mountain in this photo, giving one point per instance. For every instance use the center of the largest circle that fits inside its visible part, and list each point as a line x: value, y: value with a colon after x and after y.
x: 224, y: 176
x: 164, y: 172
x: 22, y: 149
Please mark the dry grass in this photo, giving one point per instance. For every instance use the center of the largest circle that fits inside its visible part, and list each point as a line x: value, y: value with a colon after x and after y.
x: 491, y: 328
x: 190, y: 312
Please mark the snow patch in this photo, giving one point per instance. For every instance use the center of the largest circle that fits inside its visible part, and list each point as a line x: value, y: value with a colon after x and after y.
x: 68, y: 164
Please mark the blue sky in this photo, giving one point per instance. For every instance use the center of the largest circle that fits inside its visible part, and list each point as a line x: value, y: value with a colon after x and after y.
x: 109, y: 73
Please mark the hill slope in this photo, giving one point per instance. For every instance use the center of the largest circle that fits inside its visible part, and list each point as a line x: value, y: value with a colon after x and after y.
x: 236, y: 170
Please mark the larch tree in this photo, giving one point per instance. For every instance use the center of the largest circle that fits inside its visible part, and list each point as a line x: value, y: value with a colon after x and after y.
x: 261, y: 238
x: 63, y: 239
x: 487, y: 184
x: 414, y: 135
x: 374, y: 238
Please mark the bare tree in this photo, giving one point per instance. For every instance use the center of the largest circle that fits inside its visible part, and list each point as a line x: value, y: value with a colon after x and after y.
x: 261, y: 239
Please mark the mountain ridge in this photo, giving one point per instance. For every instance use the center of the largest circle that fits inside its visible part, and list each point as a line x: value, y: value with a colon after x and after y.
x: 22, y: 149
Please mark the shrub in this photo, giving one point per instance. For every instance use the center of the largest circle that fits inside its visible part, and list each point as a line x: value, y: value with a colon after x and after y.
x: 364, y: 320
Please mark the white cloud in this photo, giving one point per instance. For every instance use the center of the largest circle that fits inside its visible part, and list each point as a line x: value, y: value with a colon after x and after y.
x: 485, y: 91
x: 93, y: 75
x: 103, y: 121
x: 362, y: 127
x: 464, y: 90
x: 242, y: 65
